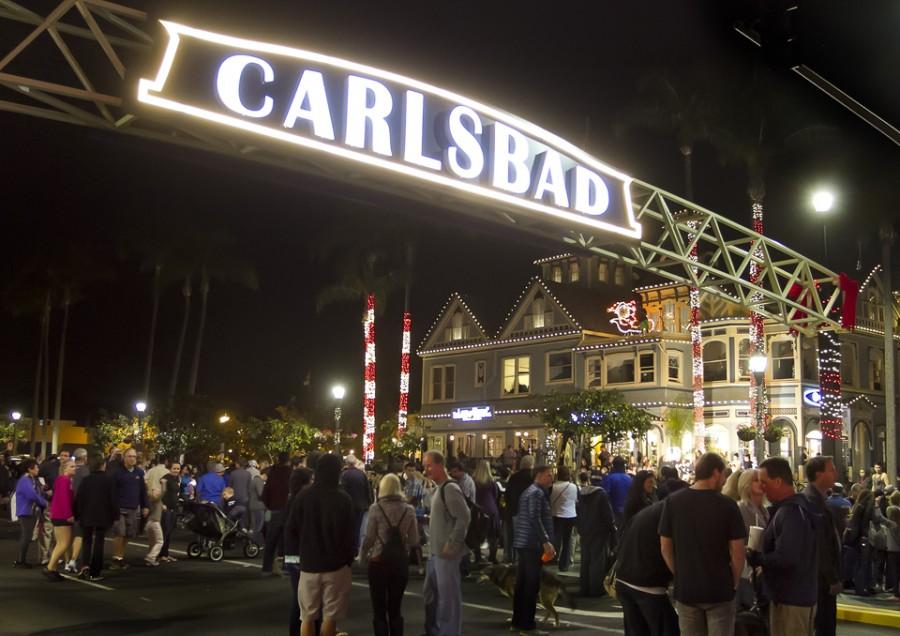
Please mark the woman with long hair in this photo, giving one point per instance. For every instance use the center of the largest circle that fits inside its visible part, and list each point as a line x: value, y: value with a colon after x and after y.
x: 563, y: 497
x: 641, y: 494
x: 62, y: 517
x: 730, y: 489
x: 391, y: 520
x: 487, y: 496
x: 857, y: 543
x: 751, y: 500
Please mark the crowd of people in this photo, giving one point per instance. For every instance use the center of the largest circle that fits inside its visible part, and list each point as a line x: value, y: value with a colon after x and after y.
x: 738, y: 546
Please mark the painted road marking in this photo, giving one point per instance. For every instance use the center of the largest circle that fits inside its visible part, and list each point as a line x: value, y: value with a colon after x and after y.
x: 91, y: 583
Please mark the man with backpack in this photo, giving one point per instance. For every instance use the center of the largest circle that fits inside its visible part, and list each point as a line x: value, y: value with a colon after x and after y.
x: 449, y: 524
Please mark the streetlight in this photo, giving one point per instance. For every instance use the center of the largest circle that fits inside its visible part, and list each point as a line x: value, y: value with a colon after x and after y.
x: 140, y: 407
x: 758, y: 363
x: 223, y: 419
x: 337, y: 392
x: 822, y: 202
x: 16, y: 416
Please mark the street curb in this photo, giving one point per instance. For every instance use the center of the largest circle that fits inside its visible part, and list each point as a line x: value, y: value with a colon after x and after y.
x: 869, y: 616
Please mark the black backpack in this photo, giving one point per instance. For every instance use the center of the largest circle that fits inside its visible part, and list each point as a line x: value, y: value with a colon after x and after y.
x: 478, y: 521
x: 394, y: 550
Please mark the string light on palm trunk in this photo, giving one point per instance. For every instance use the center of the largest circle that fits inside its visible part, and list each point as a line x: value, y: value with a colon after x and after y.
x: 368, y: 443
x: 831, y: 409
x: 696, y: 356
x: 758, y: 400
x: 404, y: 373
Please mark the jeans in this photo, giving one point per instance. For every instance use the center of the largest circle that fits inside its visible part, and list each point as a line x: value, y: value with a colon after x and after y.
x: 594, y: 550
x: 892, y: 576
x: 826, y: 614
x: 155, y: 539
x: 791, y: 620
x: 646, y: 614
x: 862, y: 574
x: 442, y: 595
x: 509, y: 554
x: 562, y: 533
x: 528, y: 585
x: 257, y: 521
x: 92, y: 549
x: 26, y: 525
x: 168, y: 526
x: 706, y: 619
x: 386, y: 586
x: 274, y: 539
x: 44, y: 535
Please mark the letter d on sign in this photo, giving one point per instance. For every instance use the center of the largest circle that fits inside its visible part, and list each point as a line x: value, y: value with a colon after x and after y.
x: 591, y: 193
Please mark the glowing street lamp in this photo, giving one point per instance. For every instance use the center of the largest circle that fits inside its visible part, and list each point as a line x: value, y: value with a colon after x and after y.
x: 337, y: 392
x: 822, y: 202
x: 16, y: 416
x: 224, y: 419
x: 140, y: 407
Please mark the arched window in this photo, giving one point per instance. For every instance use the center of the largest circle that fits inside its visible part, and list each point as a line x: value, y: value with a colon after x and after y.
x: 715, y: 361
x: 876, y: 369
x: 744, y: 359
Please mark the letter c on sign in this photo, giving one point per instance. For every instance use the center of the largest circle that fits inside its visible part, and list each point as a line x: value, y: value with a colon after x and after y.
x: 228, y: 84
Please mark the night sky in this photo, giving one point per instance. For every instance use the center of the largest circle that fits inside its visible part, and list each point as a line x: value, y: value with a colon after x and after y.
x: 571, y: 67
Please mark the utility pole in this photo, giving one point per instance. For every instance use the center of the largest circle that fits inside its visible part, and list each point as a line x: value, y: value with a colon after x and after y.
x: 890, y: 424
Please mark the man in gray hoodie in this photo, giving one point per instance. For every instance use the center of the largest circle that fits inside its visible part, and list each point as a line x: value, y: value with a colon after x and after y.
x: 448, y: 523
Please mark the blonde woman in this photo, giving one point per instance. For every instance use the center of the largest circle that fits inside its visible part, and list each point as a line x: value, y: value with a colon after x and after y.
x: 752, y: 500
x: 730, y: 489
x: 391, y: 532
x: 62, y: 517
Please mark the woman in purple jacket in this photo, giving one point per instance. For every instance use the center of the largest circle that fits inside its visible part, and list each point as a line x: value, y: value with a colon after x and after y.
x: 28, y: 500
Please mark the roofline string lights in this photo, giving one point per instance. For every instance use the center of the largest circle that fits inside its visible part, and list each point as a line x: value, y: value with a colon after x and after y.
x: 368, y: 442
x: 403, y: 409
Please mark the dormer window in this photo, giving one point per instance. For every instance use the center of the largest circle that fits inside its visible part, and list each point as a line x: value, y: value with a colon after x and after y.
x: 457, y: 330
x: 539, y: 316
x: 556, y: 274
x: 574, y: 272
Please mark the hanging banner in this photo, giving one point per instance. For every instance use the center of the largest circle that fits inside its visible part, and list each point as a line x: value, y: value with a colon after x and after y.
x: 387, y: 121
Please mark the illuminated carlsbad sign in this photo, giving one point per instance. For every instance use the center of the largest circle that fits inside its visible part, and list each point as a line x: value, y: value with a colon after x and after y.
x: 387, y: 121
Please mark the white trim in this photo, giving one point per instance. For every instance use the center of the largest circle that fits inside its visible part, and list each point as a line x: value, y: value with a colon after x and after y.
x: 431, y: 371
x: 709, y: 340
x: 516, y: 394
x: 547, y: 355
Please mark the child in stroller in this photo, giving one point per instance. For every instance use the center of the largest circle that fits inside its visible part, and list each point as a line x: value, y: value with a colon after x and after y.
x: 215, y: 532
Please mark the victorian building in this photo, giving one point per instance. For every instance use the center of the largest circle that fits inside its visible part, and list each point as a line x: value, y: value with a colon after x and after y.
x: 580, y: 323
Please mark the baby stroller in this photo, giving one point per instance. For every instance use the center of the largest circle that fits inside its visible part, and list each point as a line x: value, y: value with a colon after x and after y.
x: 215, y: 532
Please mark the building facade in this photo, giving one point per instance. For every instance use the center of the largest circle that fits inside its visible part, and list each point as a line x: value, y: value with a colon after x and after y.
x: 581, y: 324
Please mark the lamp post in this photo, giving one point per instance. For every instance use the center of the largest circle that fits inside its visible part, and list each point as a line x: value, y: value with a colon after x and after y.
x: 822, y: 202
x: 140, y: 407
x: 224, y: 418
x: 337, y: 392
x: 758, y: 363
x: 16, y: 416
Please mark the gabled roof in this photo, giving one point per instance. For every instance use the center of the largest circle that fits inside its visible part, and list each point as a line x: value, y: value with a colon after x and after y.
x: 456, y: 301
x: 585, y: 308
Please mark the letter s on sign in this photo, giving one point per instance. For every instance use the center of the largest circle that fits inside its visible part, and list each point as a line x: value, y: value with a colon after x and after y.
x: 228, y: 84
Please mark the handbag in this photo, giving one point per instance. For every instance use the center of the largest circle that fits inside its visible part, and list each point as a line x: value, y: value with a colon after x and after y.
x: 877, y: 536
x: 609, y: 582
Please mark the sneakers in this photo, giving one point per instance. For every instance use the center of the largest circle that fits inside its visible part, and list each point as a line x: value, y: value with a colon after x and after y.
x: 167, y: 559
x: 118, y: 564
x: 95, y: 579
x: 150, y: 563
x: 53, y: 576
x: 22, y: 565
x: 71, y: 567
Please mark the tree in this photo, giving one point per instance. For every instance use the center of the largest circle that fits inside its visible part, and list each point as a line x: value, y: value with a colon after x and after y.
x: 288, y: 432
x: 584, y: 414
x: 395, y: 444
x: 115, y: 430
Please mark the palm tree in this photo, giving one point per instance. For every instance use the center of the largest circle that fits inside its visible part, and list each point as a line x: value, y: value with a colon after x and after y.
x: 179, y: 350
x: 683, y: 107
x: 368, y: 281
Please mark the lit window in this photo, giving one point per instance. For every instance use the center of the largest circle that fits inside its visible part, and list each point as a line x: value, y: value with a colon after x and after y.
x: 556, y: 274
x: 559, y: 366
x: 620, y: 368
x: 876, y: 364
x: 848, y: 364
x: 443, y: 383
x: 715, y: 361
x: 685, y: 313
x: 536, y: 319
x: 594, y: 372
x: 744, y: 359
x: 669, y: 316
x: 603, y: 272
x: 647, y: 366
x: 674, y: 366
x: 782, y: 359
x: 516, y: 375
x: 574, y: 272
x: 480, y: 372
x: 620, y: 274
x: 458, y: 330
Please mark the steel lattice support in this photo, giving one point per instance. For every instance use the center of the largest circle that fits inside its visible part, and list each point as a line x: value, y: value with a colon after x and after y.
x: 790, y: 288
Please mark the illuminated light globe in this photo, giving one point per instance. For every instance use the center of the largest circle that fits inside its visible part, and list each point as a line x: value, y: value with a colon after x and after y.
x: 338, y: 392
x: 758, y: 363
x: 822, y: 201
x: 16, y: 416
x: 140, y: 407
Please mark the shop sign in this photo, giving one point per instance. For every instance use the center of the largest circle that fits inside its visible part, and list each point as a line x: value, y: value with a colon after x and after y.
x: 473, y: 414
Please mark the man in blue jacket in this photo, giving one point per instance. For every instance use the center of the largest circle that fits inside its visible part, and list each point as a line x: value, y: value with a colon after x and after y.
x: 616, y: 484
x: 789, y: 555
x: 30, y: 503
x: 131, y: 492
x: 533, y: 536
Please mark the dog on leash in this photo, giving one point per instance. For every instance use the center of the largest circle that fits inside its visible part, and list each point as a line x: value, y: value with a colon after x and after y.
x: 503, y: 575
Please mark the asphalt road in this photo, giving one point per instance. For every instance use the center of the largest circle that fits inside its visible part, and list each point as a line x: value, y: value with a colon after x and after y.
x: 232, y: 597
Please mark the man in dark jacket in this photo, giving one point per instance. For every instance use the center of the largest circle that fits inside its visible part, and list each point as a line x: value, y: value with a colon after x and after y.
x: 131, y: 492
x: 596, y: 529
x: 821, y: 475
x: 518, y: 482
x: 239, y: 480
x: 789, y: 554
x: 325, y: 516
x: 96, y: 508
x: 275, y: 497
x: 642, y: 576
x: 356, y: 484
